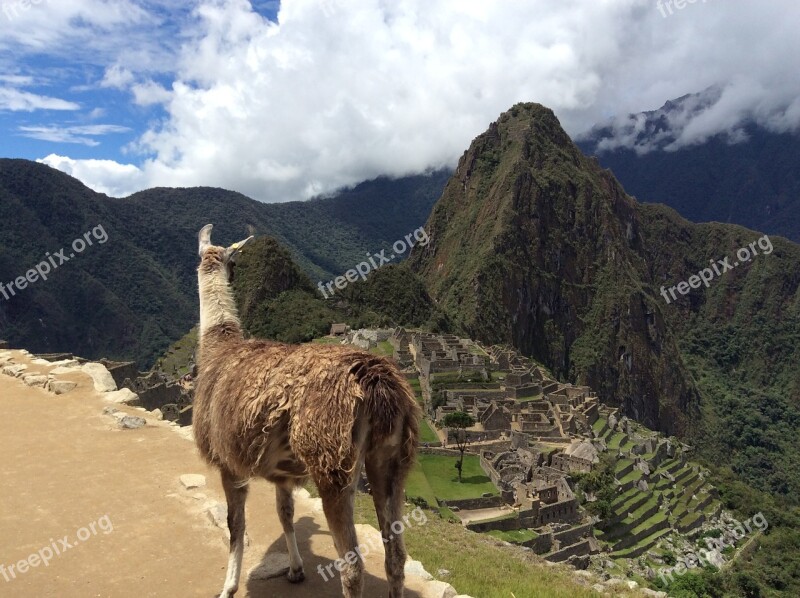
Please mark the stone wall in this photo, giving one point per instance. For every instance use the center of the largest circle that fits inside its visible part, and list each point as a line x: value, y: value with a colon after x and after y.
x: 472, y: 504
x: 438, y: 451
x: 541, y: 544
x: 120, y: 370
x: 502, y: 525
x: 561, y: 512
x: 580, y: 549
x: 573, y: 534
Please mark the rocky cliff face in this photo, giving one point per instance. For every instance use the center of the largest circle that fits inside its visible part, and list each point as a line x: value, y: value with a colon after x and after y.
x: 533, y: 244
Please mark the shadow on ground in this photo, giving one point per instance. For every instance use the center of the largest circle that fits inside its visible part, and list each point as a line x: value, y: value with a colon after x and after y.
x: 314, y: 584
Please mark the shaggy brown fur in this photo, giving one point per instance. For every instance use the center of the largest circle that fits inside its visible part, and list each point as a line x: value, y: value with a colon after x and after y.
x: 287, y: 412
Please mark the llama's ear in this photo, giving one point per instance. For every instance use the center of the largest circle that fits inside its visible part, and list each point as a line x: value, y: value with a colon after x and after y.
x: 204, y: 237
x: 233, y: 251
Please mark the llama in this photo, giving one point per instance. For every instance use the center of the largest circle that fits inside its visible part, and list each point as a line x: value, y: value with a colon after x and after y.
x: 290, y: 412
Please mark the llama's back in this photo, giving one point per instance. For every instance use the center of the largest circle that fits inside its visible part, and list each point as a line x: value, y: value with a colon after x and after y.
x: 283, y: 409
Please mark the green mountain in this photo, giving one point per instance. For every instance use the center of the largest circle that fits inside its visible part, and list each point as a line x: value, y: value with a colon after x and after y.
x: 132, y: 295
x: 535, y: 245
x: 276, y: 300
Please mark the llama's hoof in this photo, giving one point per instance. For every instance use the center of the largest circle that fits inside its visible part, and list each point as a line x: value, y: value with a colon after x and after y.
x: 296, y: 576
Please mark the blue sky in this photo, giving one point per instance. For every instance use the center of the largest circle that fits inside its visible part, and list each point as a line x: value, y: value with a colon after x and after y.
x: 89, y: 113
x: 285, y: 101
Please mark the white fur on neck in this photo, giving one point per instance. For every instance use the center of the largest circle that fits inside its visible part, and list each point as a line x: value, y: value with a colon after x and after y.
x: 216, y: 301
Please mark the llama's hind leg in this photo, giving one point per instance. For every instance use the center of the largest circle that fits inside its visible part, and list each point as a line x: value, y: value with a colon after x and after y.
x: 236, y: 495
x: 338, y: 504
x: 285, y: 500
x: 386, y: 483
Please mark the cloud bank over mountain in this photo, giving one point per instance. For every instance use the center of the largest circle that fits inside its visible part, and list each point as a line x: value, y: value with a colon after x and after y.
x: 332, y: 92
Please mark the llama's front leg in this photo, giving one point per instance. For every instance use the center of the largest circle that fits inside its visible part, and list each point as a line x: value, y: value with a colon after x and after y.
x: 236, y: 495
x: 285, y: 500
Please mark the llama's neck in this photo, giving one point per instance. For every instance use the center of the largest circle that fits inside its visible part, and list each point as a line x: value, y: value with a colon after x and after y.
x: 216, y: 302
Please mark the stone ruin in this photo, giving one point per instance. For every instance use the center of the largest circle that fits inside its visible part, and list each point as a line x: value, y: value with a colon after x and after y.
x: 154, y: 390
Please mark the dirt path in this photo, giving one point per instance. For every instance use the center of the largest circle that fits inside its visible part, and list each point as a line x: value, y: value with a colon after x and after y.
x: 66, y: 466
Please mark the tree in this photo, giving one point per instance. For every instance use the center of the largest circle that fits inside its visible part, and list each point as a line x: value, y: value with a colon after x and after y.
x: 459, y: 421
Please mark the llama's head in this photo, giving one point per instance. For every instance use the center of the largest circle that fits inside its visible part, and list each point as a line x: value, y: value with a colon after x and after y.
x: 214, y: 258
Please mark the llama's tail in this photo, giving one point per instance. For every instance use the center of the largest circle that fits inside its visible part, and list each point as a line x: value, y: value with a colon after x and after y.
x: 391, y: 405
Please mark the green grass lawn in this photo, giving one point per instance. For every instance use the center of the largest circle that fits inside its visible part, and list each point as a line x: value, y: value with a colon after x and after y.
x: 417, y: 486
x: 427, y: 434
x: 415, y: 386
x: 442, y: 476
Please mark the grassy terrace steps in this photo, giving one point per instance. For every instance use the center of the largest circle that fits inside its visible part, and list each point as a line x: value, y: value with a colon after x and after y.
x: 622, y: 467
x: 646, y: 511
x: 649, y: 527
x: 616, y: 440
x: 670, y: 466
x: 666, y: 464
x: 690, y: 521
x: 634, y: 476
x: 695, y: 486
x: 713, y: 508
x: 684, y: 474
x: 677, y: 499
x: 624, y: 497
x: 642, y: 546
x: 638, y: 499
x: 663, y: 484
x: 600, y: 427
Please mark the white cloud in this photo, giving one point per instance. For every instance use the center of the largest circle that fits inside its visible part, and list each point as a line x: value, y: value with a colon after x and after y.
x: 149, y: 93
x: 17, y: 100
x: 117, y: 77
x: 340, y: 91
x: 104, y: 176
x: 83, y: 134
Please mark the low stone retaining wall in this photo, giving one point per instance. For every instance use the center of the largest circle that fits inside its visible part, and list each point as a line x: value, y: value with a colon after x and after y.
x: 574, y: 534
x: 541, y: 544
x: 432, y: 450
x: 473, y: 504
x: 502, y: 525
x: 582, y: 548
